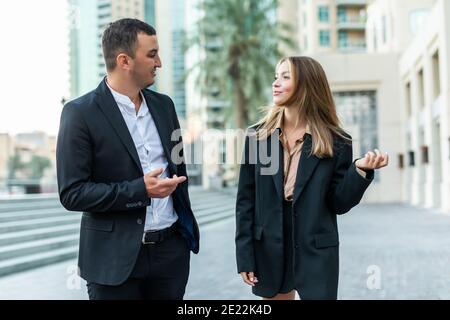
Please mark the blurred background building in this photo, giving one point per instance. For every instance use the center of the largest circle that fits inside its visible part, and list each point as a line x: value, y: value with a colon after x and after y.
x: 327, y: 25
x: 425, y: 87
x: 87, y: 66
x: 387, y: 63
x: 27, y: 163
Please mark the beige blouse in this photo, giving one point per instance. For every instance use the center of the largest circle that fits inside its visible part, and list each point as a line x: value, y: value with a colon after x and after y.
x: 292, y: 160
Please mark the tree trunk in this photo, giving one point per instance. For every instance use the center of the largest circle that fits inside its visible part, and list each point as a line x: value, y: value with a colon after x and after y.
x: 241, y: 107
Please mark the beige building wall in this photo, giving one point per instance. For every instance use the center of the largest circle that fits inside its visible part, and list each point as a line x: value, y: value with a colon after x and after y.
x: 343, y: 16
x: 373, y: 72
x: 425, y: 78
x: 392, y: 25
x: 288, y: 13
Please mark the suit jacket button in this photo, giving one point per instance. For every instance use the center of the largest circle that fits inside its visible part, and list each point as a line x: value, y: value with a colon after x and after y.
x: 139, y: 221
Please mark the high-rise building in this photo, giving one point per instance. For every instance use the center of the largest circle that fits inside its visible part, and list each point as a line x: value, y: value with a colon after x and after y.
x: 84, y: 52
x: 327, y: 25
x: 170, y: 37
x: 111, y: 10
x: 92, y: 17
x: 89, y: 19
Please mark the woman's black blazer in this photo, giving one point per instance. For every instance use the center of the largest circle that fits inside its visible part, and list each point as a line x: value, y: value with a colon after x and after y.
x: 324, y: 188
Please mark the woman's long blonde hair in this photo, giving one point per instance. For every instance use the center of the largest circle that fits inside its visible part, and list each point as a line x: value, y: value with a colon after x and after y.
x: 312, y: 95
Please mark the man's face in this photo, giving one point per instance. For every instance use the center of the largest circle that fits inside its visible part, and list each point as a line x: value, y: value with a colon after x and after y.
x: 146, y: 61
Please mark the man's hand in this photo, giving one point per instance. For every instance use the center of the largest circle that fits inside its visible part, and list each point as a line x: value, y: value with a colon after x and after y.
x: 161, y: 188
x: 373, y: 160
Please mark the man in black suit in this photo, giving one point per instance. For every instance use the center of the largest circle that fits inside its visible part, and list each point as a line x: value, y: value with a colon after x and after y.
x: 118, y: 164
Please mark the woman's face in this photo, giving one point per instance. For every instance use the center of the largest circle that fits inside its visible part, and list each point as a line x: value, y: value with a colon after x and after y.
x: 283, y: 85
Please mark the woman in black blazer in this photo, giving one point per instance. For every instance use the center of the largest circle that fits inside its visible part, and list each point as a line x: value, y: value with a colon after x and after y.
x: 297, y: 175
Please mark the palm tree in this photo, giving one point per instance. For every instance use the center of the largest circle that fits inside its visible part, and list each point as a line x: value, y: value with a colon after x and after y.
x: 241, y: 40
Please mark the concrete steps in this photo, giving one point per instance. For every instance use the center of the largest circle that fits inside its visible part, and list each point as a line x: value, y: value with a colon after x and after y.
x: 36, y: 231
x: 36, y: 260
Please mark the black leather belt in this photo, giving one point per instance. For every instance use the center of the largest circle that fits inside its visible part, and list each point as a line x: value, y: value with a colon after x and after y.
x: 157, y: 236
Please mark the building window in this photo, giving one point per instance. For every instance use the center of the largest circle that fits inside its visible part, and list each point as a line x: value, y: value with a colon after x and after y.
x: 324, y: 38
x: 343, y: 39
x: 417, y: 20
x: 342, y: 14
x: 436, y: 75
x: 408, y: 99
x: 401, y: 161
x: 324, y: 14
x: 384, y: 29
x: 358, y: 112
x: 421, y: 89
x: 411, y: 158
x: 449, y: 148
x: 425, y: 155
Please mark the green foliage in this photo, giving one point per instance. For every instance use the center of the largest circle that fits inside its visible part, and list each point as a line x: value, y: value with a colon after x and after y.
x: 241, y: 39
x: 34, y: 169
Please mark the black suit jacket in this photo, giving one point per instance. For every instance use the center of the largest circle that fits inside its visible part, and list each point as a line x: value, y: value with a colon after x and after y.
x: 99, y: 173
x: 324, y: 188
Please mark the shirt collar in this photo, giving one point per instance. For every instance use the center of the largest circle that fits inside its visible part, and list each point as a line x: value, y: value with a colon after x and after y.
x: 125, y: 102
x: 280, y: 126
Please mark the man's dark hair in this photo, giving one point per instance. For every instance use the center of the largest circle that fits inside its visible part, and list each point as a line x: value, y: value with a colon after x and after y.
x: 121, y: 37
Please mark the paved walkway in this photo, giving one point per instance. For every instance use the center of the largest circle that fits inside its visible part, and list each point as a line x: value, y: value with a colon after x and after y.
x: 387, y: 252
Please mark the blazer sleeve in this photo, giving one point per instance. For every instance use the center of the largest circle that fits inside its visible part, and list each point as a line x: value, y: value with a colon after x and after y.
x: 74, y: 160
x: 245, y: 211
x: 347, y: 185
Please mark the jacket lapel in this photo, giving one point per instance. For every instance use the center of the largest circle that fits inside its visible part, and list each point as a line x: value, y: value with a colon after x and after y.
x: 305, y: 168
x: 108, y: 105
x: 278, y: 178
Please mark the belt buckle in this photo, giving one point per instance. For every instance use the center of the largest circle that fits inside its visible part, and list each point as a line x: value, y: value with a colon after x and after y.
x: 147, y: 242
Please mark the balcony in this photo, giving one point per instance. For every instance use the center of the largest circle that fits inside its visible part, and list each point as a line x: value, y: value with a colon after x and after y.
x: 351, y: 23
x: 352, y: 45
x: 216, y: 104
x: 354, y: 3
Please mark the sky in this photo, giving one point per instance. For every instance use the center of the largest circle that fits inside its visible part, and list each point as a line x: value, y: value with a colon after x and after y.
x: 35, y: 65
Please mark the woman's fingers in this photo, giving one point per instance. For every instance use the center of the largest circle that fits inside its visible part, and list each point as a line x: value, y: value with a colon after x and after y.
x: 252, y: 277
x: 249, y: 278
x: 378, y: 158
x: 244, y: 276
x: 374, y: 160
x: 382, y: 160
x: 385, y: 160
